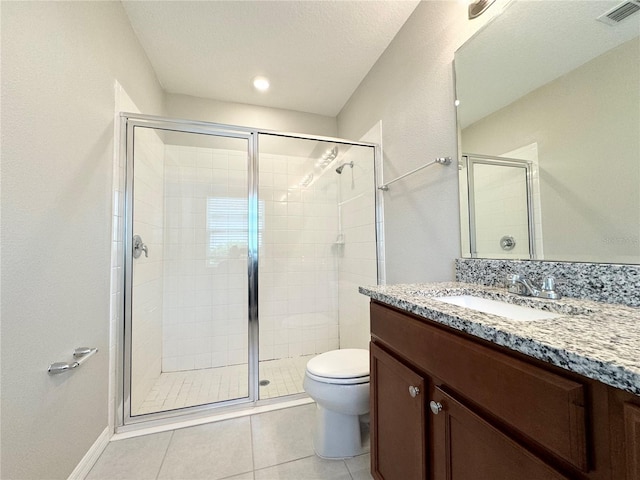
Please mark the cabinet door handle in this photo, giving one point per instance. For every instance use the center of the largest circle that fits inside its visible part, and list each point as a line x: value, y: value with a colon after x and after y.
x: 436, y: 407
x: 414, y: 391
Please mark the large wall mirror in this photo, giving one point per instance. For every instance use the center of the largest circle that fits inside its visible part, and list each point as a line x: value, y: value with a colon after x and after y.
x: 548, y: 85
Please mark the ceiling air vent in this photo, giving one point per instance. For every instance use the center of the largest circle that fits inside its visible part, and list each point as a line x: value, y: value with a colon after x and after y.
x: 619, y: 13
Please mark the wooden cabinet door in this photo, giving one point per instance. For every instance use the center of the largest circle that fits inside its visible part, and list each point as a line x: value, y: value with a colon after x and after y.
x: 398, y: 430
x: 544, y: 406
x: 632, y: 440
x: 467, y: 447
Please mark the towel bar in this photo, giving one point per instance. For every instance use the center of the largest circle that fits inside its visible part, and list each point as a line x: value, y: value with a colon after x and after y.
x: 81, y: 354
x: 441, y: 160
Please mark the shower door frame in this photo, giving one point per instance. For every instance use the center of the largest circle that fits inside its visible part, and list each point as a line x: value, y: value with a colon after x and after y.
x: 128, y: 121
x: 468, y: 162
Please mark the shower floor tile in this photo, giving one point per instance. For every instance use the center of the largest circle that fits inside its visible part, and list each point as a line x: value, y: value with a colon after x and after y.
x: 175, y: 390
x: 285, y: 376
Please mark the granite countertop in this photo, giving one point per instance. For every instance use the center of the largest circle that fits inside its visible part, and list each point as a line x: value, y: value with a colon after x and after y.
x: 598, y: 340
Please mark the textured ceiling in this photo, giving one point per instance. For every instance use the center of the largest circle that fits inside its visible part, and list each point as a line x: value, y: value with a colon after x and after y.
x: 314, y: 52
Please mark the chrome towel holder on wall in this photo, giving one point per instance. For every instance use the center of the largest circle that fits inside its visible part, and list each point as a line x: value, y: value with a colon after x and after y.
x: 440, y: 160
x: 80, y: 354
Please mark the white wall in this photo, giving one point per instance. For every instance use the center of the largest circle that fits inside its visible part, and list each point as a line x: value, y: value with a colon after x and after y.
x: 411, y: 90
x: 204, y: 109
x: 60, y: 61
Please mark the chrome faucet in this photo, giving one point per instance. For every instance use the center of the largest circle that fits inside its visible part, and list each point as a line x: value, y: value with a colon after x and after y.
x: 519, y: 285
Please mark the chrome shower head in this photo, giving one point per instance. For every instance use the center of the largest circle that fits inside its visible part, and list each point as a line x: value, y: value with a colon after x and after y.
x: 341, y: 167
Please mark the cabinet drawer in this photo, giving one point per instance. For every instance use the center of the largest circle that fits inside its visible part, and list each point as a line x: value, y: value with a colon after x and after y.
x: 545, y: 407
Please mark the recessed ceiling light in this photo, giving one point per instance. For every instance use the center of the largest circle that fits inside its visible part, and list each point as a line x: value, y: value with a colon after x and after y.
x: 261, y: 83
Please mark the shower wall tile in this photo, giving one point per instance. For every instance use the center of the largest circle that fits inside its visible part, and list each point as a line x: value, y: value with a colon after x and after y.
x: 147, y: 284
x: 205, y: 302
x: 305, y: 276
x: 298, y: 291
x: 357, y: 256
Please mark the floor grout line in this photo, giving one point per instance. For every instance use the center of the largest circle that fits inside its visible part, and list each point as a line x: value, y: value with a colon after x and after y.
x: 253, y: 457
x: 165, y: 453
x: 253, y: 428
x: 285, y: 463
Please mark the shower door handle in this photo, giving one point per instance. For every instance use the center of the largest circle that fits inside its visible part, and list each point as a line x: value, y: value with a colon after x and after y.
x: 139, y: 247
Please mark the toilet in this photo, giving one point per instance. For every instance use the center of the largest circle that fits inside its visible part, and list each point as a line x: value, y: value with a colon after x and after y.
x: 338, y: 381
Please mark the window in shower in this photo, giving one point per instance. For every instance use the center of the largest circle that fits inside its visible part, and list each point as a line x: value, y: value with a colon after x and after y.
x: 227, y: 228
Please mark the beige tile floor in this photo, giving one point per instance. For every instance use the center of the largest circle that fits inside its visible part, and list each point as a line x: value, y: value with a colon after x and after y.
x: 198, y: 387
x: 268, y: 446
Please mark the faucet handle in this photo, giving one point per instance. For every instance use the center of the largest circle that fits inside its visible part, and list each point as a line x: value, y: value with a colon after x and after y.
x: 549, y: 283
x: 512, y: 284
x: 549, y: 288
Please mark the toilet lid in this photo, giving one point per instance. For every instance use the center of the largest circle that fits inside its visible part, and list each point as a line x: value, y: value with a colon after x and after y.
x: 345, y: 363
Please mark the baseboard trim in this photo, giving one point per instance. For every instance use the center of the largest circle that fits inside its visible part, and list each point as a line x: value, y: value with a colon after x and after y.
x: 86, y: 464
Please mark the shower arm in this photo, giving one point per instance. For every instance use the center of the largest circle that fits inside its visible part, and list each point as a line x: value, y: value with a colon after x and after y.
x: 341, y: 167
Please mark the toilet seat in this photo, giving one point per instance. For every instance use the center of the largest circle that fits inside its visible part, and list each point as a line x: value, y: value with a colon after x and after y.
x: 348, y: 366
x: 339, y: 381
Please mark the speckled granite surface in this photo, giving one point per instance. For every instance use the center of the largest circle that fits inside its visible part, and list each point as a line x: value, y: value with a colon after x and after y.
x: 601, y: 282
x: 597, y: 340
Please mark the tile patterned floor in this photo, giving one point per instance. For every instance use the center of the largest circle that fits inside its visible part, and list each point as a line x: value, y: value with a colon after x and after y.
x: 285, y: 376
x: 198, y: 387
x: 269, y: 446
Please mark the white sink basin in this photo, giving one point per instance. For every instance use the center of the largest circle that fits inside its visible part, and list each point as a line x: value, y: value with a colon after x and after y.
x: 495, y: 307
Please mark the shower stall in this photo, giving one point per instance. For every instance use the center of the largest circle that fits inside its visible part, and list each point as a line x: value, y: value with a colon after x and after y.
x: 500, y: 207
x: 243, y: 250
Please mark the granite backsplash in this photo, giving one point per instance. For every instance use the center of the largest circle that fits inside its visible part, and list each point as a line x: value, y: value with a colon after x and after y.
x: 601, y: 282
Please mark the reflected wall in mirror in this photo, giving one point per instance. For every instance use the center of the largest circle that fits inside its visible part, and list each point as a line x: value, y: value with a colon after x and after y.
x: 548, y: 83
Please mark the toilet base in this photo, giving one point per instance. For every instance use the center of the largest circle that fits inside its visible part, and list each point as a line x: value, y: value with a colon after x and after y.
x: 337, y: 435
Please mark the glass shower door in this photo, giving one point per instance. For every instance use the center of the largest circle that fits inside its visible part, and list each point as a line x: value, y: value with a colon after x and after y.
x: 186, y: 282
x: 500, y: 208
x: 317, y: 244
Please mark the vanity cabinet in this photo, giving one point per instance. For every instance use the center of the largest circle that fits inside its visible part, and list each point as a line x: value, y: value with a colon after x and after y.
x: 465, y: 447
x: 398, y: 433
x: 484, y: 412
